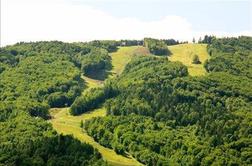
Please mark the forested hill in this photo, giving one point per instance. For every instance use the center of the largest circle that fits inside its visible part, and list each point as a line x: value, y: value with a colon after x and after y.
x: 156, y: 111
x: 35, y: 77
x: 162, y: 116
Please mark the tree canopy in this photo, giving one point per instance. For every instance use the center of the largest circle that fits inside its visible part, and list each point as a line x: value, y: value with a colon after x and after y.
x: 156, y: 47
x: 232, y: 55
x: 33, y: 78
x: 163, y: 116
x: 155, y: 111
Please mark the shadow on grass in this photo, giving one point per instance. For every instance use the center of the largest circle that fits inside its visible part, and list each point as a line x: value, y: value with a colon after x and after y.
x: 100, y: 75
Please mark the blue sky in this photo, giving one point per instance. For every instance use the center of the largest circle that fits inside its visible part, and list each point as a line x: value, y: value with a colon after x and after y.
x: 230, y: 16
x: 85, y: 20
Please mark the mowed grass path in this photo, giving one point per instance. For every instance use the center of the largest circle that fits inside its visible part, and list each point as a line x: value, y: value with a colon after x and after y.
x: 65, y: 123
x: 123, y: 55
x: 185, y: 52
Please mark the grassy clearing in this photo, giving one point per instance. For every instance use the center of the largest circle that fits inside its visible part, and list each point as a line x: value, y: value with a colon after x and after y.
x: 65, y: 123
x: 185, y: 52
x: 123, y: 55
x: 91, y: 83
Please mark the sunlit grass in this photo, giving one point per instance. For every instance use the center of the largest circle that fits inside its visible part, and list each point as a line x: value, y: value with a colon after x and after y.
x: 185, y: 52
x: 123, y: 55
x: 91, y: 83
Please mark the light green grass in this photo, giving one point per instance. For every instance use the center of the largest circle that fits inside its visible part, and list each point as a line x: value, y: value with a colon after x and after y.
x: 65, y: 123
x: 185, y: 52
x: 91, y: 83
x: 123, y: 55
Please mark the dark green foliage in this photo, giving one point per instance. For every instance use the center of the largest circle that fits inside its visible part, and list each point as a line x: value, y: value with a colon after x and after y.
x: 58, y: 99
x: 157, y: 112
x: 81, y: 124
x: 92, y: 99
x: 95, y: 61
x: 109, y: 45
x: 7, y: 58
x: 48, y: 47
x: 3, y: 67
x: 155, y: 46
x: 155, y: 143
x: 49, y: 79
x: 91, y: 57
x: 33, y: 78
x: 143, y: 68
x: 150, y: 142
x: 196, y: 60
x: 141, y: 74
x: 207, y: 39
x: 170, y: 42
x: 232, y: 55
x: 28, y: 141
x: 131, y: 42
x: 164, y: 117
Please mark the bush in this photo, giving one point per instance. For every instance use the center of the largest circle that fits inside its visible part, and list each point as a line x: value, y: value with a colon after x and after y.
x: 119, y: 149
x: 196, y: 60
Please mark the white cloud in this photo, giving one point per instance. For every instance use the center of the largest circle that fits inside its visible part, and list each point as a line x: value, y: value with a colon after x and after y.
x: 34, y: 20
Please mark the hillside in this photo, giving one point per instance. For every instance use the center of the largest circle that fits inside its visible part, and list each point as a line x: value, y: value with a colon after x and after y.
x: 125, y: 104
x: 65, y: 123
x: 123, y: 56
x: 36, y: 77
x: 162, y: 116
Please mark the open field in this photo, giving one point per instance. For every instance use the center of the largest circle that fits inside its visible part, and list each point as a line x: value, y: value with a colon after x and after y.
x: 123, y: 55
x: 185, y: 52
x: 91, y: 83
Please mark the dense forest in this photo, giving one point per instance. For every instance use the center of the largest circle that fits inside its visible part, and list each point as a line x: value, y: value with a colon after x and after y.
x: 232, y: 55
x: 35, y: 77
x: 156, y: 111
x: 163, y: 116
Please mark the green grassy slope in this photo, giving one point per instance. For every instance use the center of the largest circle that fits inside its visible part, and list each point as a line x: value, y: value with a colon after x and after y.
x: 185, y: 52
x: 123, y: 55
